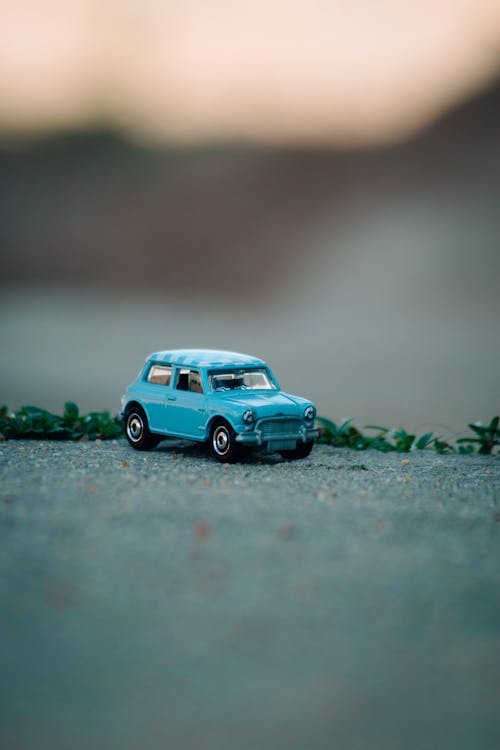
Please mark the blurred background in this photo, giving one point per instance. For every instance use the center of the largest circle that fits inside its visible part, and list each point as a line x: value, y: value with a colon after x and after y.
x: 316, y: 183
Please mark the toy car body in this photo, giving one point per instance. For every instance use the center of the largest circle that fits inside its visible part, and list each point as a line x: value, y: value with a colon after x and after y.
x: 227, y: 399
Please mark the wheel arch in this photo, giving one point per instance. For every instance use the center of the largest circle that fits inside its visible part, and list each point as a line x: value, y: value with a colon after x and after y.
x: 214, y: 419
x: 132, y: 404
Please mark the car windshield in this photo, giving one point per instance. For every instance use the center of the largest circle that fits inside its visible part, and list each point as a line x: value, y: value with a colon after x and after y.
x: 241, y: 379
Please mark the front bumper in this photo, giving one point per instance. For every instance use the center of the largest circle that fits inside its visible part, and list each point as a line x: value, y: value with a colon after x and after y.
x: 258, y: 436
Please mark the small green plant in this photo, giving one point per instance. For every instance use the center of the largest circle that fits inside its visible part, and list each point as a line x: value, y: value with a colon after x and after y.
x: 391, y: 439
x: 31, y: 422
x: 402, y: 441
x: 487, y: 437
x: 441, y: 446
x: 342, y: 436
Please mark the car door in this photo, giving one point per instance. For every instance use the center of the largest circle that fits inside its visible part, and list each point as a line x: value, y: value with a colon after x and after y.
x: 155, y: 390
x: 186, y: 407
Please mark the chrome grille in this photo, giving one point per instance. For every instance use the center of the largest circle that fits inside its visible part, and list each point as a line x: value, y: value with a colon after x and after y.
x: 276, y: 427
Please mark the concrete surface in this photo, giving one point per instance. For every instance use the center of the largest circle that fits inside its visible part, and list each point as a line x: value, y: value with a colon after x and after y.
x: 162, y: 600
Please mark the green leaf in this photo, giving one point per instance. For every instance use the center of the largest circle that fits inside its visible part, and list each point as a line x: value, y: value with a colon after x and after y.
x: 327, y: 424
x: 468, y: 449
x: 345, y: 425
x: 32, y: 411
x: 479, y: 429
x: 423, y: 441
x: 71, y: 411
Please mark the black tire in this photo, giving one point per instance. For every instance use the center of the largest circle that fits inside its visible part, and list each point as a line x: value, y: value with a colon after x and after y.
x: 137, y: 430
x: 301, y: 451
x: 223, y: 443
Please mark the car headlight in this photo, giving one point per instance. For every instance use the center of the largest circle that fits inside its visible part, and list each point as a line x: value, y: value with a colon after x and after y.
x: 248, y: 416
x: 309, y: 413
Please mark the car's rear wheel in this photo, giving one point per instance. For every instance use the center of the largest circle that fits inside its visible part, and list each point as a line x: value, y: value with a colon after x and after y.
x: 223, y: 443
x: 137, y: 430
x: 301, y: 451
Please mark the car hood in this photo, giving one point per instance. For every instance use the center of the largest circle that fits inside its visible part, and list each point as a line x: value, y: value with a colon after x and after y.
x: 266, y: 404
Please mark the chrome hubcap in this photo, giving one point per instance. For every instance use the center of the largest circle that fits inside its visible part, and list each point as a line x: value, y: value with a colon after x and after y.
x: 221, y: 441
x: 135, y: 427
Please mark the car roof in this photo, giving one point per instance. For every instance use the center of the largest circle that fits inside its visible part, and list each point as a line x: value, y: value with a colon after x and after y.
x: 205, y: 358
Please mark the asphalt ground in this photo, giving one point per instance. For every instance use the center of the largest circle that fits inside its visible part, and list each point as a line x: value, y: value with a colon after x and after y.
x: 162, y: 600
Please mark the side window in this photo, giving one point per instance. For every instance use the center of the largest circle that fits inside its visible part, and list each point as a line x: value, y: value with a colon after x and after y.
x: 195, y: 382
x: 160, y: 374
x: 189, y: 380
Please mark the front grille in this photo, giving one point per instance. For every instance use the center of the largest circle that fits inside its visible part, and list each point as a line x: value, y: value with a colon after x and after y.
x: 275, y: 427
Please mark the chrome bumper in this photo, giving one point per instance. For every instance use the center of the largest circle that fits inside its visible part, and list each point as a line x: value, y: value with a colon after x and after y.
x: 256, y: 437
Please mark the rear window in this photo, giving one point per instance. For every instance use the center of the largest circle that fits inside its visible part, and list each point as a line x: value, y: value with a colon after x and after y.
x: 160, y: 374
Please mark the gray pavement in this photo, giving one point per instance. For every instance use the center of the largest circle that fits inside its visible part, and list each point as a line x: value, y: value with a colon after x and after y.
x: 161, y: 600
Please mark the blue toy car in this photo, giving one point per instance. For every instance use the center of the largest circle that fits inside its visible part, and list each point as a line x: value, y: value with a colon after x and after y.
x: 229, y: 400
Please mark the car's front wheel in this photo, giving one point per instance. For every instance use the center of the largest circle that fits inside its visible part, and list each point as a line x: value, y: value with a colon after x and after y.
x: 137, y: 430
x: 223, y: 443
x: 301, y: 451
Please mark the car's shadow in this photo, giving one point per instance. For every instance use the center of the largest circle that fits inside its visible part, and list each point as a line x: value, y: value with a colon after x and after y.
x: 188, y: 449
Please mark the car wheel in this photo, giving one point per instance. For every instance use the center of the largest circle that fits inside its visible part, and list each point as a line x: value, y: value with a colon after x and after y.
x: 223, y: 443
x: 301, y: 451
x: 137, y: 430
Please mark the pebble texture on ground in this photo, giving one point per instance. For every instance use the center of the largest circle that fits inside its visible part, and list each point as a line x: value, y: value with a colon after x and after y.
x: 163, y: 600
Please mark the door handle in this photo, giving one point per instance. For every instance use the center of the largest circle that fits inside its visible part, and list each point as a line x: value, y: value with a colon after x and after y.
x: 202, y: 410
x: 171, y: 398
